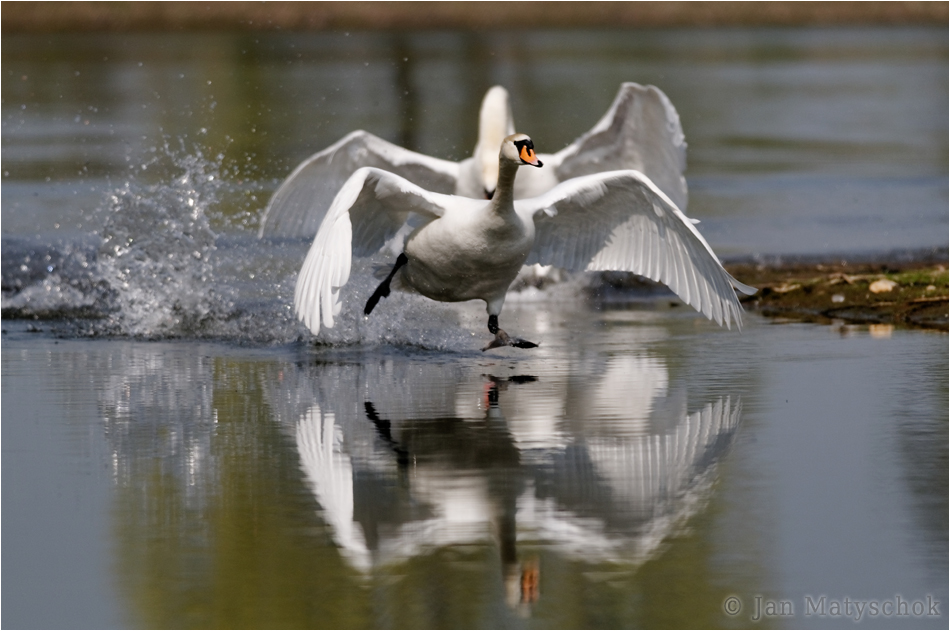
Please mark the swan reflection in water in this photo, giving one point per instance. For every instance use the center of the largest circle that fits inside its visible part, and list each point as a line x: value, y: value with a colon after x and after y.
x: 501, y: 463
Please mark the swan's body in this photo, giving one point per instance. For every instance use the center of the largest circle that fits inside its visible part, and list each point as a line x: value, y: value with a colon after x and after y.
x: 468, y: 249
x: 640, y: 131
x: 484, y: 245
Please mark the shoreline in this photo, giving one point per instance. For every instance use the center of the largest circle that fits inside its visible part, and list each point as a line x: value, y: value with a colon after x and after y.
x: 906, y: 288
x: 80, y: 17
x: 909, y: 291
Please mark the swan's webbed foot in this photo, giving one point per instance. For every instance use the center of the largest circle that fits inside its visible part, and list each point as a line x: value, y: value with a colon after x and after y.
x: 503, y: 339
x: 383, y: 290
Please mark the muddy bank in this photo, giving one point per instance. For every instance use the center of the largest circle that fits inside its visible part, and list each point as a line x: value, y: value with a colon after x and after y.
x: 45, y: 17
x: 912, y: 292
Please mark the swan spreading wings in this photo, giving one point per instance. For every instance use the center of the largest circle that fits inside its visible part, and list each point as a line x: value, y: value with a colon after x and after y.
x: 464, y: 249
x: 641, y: 131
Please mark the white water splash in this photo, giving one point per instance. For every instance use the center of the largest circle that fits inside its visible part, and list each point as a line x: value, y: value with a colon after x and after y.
x: 157, y: 246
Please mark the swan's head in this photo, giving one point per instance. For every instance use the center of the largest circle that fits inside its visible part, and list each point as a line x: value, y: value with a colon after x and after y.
x: 518, y: 149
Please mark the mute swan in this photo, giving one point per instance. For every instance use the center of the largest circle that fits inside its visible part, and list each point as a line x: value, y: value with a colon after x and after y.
x: 640, y: 131
x: 465, y: 249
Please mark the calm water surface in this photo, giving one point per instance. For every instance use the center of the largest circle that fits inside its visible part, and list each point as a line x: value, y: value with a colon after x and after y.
x: 178, y: 452
x: 640, y: 468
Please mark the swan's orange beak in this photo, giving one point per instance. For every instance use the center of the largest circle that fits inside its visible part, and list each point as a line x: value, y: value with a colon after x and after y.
x: 528, y: 156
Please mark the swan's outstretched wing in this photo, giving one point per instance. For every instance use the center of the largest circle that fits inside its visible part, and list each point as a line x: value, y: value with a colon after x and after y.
x: 620, y: 220
x: 640, y: 131
x: 298, y: 206
x: 368, y: 211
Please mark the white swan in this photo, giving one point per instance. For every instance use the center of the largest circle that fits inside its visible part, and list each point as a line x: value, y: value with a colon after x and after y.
x: 465, y: 249
x: 640, y: 131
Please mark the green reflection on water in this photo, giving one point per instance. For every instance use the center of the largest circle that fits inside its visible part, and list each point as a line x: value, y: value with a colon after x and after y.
x: 254, y: 555
x: 244, y: 546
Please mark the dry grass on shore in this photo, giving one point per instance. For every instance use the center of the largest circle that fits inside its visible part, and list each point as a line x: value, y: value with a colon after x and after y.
x: 46, y: 17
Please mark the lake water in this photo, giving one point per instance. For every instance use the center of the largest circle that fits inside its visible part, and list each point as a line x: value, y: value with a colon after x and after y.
x: 178, y: 452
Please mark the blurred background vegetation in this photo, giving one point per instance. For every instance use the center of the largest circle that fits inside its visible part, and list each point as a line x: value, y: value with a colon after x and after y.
x: 24, y: 17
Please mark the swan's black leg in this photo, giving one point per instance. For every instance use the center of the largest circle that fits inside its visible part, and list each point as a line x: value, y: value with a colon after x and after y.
x: 383, y: 290
x: 502, y: 338
x: 383, y: 429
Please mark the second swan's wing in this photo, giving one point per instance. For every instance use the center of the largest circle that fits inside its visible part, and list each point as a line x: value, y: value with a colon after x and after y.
x: 641, y: 131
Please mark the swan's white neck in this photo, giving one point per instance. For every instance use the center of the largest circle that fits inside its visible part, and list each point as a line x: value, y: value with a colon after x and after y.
x: 504, y: 197
x: 495, y: 123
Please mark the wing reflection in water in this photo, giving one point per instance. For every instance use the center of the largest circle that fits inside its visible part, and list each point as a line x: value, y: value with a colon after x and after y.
x: 482, y: 458
x: 331, y: 487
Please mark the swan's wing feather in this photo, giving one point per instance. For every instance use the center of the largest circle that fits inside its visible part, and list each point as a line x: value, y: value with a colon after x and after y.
x: 641, y: 131
x: 621, y: 221
x: 298, y: 206
x: 370, y: 209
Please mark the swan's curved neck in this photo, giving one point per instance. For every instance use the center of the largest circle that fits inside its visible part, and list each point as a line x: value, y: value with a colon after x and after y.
x: 504, y: 197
